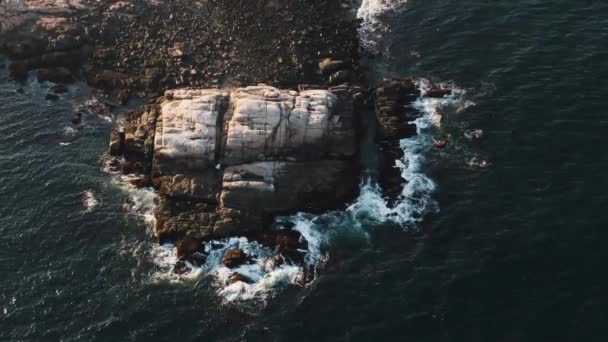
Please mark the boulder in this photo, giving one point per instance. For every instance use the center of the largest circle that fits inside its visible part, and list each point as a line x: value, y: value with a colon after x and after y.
x: 187, y: 246
x: 234, y: 257
x: 235, y: 277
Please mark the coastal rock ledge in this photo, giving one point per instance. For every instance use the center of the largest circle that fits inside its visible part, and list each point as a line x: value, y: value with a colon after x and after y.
x: 227, y: 161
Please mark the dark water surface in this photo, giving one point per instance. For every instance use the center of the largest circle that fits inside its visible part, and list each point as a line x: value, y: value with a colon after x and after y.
x: 516, y: 253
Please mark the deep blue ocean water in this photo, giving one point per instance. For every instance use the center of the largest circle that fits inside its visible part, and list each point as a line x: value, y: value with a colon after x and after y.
x: 516, y: 251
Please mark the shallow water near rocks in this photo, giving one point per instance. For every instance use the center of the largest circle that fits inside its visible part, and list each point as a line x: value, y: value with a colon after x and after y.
x: 512, y: 247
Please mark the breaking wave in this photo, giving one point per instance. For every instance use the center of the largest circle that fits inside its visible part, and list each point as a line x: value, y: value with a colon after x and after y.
x: 373, y: 28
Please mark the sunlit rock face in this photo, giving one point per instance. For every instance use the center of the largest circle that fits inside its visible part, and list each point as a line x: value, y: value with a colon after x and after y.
x: 189, y: 128
x: 226, y: 160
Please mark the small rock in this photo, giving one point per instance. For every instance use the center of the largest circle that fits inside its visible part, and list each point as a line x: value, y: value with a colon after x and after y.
x: 234, y: 257
x: 438, y: 92
x: 76, y: 118
x: 440, y: 143
x: 59, y: 89
x: 236, y: 277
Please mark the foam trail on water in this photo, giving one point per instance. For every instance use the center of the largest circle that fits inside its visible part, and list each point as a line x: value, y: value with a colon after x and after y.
x: 372, y: 27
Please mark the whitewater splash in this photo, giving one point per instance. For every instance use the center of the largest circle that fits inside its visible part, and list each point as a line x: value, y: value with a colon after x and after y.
x: 89, y: 201
x: 415, y: 200
x: 373, y: 27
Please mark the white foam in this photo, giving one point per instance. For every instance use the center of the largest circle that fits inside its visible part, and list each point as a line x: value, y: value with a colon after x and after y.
x: 89, y: 201
x: 265, y: 277
x: 416, y: 198
x: 372, y: 28
x: 142, y: 201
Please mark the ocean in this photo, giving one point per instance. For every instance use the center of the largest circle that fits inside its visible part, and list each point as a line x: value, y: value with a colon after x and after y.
x: 500, y: 239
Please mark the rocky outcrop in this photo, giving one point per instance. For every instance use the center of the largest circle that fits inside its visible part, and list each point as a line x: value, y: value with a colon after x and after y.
x: 144, y: 47
x: 227, y: 161
x: 43, y: 35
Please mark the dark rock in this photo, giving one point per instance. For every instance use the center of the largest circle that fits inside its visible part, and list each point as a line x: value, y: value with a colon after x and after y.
x: 393, y: 109
x: 438, y: 92
x: 20, y: 90
x: 18, y: 70
x: 234, y: 257
x: 236, y: 277
x: 187, y: 247
x: 76, y: 118
x: 55, y: 75
x: 440, y: 143
x: 289, y: 244
x: 58, y: 89
x: 181, y: 267
x: 117, y: 141
x: 339, y: 77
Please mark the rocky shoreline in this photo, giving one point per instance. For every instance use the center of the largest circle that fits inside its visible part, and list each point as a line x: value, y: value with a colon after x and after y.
x: 252, y: 110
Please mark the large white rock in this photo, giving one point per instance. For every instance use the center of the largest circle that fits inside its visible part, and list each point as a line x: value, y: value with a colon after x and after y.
x: 187, y: 131
x: 267, y: 123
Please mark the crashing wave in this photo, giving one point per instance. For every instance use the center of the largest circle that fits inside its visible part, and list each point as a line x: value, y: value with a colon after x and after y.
x: 372, y: 27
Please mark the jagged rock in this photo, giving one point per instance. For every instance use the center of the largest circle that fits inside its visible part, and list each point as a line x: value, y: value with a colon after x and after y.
x: 204, y: 186
x: 187, y: 246
x: 289, y: 243
x: 234, y: 257
x: 393, y: 109
x: 117, y: 141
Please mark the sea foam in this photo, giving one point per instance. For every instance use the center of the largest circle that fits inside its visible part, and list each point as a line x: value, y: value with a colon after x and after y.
x: 373, y: 28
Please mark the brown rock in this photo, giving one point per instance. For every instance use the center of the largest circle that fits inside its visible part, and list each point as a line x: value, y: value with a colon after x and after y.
x: 234, y: 257
x: 438, y: 92
x: 186, y: 247
x: 236, y: 277
x: 440, y: 143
